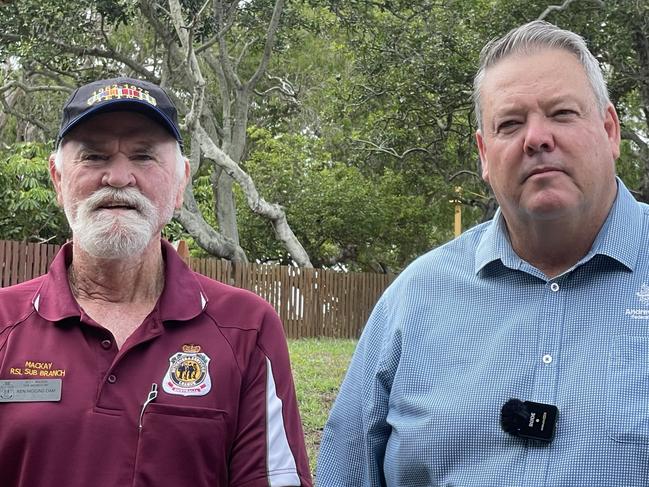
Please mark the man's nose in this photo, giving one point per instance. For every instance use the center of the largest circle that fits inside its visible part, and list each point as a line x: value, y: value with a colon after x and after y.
x: 119, y: 172
x: 539, y: 136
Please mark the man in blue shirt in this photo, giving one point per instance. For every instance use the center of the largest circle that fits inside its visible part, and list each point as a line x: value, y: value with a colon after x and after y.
x: 548, y: 303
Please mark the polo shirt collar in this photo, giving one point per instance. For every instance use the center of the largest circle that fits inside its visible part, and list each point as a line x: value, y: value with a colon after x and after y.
x: 54, y: 300
x: 182, y: 297
x: 619, y: 238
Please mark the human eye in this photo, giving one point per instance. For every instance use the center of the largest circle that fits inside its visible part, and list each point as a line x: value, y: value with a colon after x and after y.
x: 142, y: 157
x: 92, y: 157
x: 564, y: 114
x: 507, y: 126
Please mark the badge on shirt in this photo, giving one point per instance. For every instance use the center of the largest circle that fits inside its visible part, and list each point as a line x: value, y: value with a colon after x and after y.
x: 30, y: 390
x: 188, y: 373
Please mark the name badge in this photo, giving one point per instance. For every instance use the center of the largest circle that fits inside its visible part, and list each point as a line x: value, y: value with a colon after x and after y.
x: 30, y: 390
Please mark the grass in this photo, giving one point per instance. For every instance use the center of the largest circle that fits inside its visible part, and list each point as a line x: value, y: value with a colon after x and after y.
x: 319, y: 366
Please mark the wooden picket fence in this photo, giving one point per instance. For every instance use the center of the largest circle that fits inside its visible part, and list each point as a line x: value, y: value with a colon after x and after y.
x: 22, y: 261
x: 311, y: 302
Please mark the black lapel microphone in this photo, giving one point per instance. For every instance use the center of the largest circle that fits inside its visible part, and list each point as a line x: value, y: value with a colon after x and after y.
x: 528, y: 419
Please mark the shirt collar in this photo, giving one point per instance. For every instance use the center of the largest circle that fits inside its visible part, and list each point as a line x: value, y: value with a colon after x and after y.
x: 182, y: 297
x: 621, y: 235
x: 54, y: 300
x: 619, y: 238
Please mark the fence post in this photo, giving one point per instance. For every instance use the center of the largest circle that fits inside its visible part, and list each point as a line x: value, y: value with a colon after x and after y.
x: 183, y: 251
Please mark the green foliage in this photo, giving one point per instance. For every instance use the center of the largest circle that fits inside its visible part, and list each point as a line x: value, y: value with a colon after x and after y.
x: 408, y: 100
x: 28, y: 207
x: 37, y: 40
x: 341, y: 216
x: 373, y: 130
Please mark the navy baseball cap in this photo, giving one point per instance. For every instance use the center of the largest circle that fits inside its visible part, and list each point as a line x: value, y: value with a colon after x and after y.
x: 119, y: 94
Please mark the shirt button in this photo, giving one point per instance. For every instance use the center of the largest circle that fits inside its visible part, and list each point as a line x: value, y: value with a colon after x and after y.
x: 106, y: 344
x: 554, y: 286
x: 112, y: 379
x: 547, y: 358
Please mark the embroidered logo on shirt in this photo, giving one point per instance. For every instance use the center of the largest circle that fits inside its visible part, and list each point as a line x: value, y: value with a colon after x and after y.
x: 34, y: 368
x: 643, y: 294
x: 188, y: 373
x: 640, y: 313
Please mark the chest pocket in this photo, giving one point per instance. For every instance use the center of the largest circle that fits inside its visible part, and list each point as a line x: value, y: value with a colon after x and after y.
x: 181, y: 445
x: 627, y: 407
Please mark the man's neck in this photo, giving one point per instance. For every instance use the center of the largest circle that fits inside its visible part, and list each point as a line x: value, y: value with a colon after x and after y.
x: 554, y: 247
x: 134, y: 279
x: 118, y: 293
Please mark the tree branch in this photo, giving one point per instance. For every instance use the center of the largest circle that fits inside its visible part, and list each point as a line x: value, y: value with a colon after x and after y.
x: 224, y: 55
x: 8, y: 110
x: 563, y: 6
x: 91, y: 51
x: 284, y: 86
x: 198, y: 98
x: 270, y: 42
x: 224, y: 89
x: 206, y: 236
x: 218, y: 35
x: 244, y: 50
x: 631, y: 135
x: 464, y: 172
x: 32, y: 89
x: 255, y: 202
x: 390, y: 151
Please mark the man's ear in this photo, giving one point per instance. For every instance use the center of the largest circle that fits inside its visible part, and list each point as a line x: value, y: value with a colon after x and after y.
x: 612, y: 128
x: 181, y: 187
x: 482, y: 150
x: 55, y: 176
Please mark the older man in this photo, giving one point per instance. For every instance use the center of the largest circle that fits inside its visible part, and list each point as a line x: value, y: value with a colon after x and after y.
x: 517, y: 354
x: 120, y: 366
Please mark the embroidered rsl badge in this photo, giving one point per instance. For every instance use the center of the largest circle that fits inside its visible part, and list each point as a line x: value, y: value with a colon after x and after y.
x: 188, y: 373
x: 118, y: 92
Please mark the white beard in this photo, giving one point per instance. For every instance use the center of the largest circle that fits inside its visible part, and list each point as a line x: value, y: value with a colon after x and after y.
x: 108, y: 234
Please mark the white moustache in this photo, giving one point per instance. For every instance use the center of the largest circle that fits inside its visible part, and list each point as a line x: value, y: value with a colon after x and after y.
x: 112, y: 235
x: 107, y: 197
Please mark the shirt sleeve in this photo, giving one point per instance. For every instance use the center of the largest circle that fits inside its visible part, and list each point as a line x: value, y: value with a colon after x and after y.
x: 356, y: 434
x: 269, y: 446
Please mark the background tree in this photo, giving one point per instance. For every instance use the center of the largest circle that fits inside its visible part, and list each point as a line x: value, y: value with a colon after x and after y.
x: 359, y: 124
x: 28, y: 207
x: 185, y: 47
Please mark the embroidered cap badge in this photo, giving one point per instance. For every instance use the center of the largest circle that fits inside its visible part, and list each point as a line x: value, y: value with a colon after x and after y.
x: 188, y: 373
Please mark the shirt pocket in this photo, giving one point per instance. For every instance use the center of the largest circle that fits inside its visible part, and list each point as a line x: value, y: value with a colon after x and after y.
x: 182, y: 445
x: 627, y: 403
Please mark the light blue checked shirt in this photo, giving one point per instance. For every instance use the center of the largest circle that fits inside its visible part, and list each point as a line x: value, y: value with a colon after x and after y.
x: 470, y: 325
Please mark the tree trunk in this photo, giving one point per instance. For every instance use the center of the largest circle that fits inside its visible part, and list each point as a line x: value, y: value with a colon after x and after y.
x: 226, y: 210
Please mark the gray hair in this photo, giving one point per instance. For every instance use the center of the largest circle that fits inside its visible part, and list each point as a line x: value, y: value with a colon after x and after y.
x: 180, y: 160
x: 531, y: 37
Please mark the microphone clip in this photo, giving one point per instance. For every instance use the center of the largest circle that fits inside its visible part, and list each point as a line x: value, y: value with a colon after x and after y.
x: 534, y: 420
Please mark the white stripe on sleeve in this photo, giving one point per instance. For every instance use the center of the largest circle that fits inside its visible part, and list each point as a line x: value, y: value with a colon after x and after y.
x: 281, y: 464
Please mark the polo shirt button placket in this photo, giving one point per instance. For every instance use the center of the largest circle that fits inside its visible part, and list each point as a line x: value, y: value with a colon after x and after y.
x: 112, y: 379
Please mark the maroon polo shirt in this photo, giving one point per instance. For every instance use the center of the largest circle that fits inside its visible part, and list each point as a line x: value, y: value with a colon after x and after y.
x: 225, y: 413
